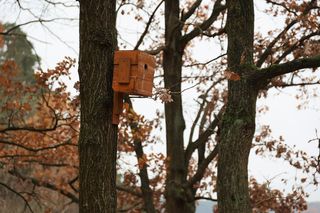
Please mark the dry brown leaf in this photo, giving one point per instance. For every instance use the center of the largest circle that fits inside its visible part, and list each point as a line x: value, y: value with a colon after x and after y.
x: 232, y: 76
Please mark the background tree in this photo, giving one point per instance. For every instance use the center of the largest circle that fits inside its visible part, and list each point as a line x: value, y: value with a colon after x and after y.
x: 238, y: 122
x: 18, y: 48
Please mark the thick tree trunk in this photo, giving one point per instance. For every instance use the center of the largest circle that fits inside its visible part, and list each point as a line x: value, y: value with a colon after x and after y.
x: 98, y: 137
x: 178, y: 195
x: 238, y: 123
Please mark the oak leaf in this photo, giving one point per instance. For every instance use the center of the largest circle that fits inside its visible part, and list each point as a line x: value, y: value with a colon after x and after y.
x: 232, y: 76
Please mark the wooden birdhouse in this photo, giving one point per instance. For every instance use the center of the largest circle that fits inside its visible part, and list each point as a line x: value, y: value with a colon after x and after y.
x: 133, y: 74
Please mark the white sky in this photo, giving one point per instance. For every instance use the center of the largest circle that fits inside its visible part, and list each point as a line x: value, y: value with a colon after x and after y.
x: 296, y: 126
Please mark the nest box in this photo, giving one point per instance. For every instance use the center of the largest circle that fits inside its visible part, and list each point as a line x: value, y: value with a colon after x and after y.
x: 133, y: 72
x: 133, y: 75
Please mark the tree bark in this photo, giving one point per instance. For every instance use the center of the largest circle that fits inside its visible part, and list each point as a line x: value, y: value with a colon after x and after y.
x: 178, y: 194
x: 98, y: 137
x: 238, y: 122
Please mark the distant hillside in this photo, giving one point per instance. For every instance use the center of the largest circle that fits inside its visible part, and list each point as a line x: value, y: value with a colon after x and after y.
x: 207, y: 206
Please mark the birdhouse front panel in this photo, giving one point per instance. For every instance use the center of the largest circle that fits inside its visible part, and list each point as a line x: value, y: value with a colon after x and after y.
x: 133, y: 72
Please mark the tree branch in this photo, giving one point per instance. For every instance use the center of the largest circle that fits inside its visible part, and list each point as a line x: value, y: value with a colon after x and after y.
x: 129, y: 207
x: 61, y: 3
x: 296, y: 45
x: 147, y: 27
x: 194, y: 124
x: 18, y: 194
x: 7, y: 32
x: 203, y: 166
x: 72, y: 181
x: 155, y: 51
x: 48, y: 185
x: 298, y: 84
x: 67, y: 143
x: 205, y: 198
x: 204, y: 136
x: 281, y: 69
x: 190, y: 12
x: 217, y: 9
x: 30, y: 129
x: 205, y: 63
x: 268, y: 50
x: 128, y: 190
x: 282, y: 5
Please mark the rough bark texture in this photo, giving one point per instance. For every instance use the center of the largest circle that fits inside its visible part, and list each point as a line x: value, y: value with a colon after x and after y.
x: 238, y: 123
x: 178, y: 195
x: 98, y: 137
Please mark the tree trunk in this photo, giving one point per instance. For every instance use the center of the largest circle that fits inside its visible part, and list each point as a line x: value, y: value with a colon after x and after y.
x: 179, y: 196
x: 98, y: 137
x: 147, y: 193
x: 238, y: 123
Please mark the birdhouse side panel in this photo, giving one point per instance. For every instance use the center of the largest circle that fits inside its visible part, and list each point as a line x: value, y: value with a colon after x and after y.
x: 143, y: 87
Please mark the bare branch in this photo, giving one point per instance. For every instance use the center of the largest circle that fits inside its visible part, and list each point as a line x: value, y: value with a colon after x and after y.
x: 204, y: 136
x: 296, y: 45
x: 281, y: 69
x: 190, y: 12
x: 41, y: 21
x: 47, y: 185
x: 71, y: 182
x: 282, y: 5
x: 203, y: 166
x: 268, y: 50
x: 194, y: 124
x: 18, y: 194
x: 129, y: 208
x: 155, y: 51
x: 147, y: 26
x: 206, y: 63
x: 129, y: 190
x: 61, y: 3
x: 220, y: 32
x: 67, y: 143
x: 205, y: 198
x: 60, y: 39
x: 26, y: 128
x: 298, y: 84
x: 217, y: 9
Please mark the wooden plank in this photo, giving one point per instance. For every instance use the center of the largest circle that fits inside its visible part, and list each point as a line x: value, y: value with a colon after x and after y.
x: 124, y: 70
